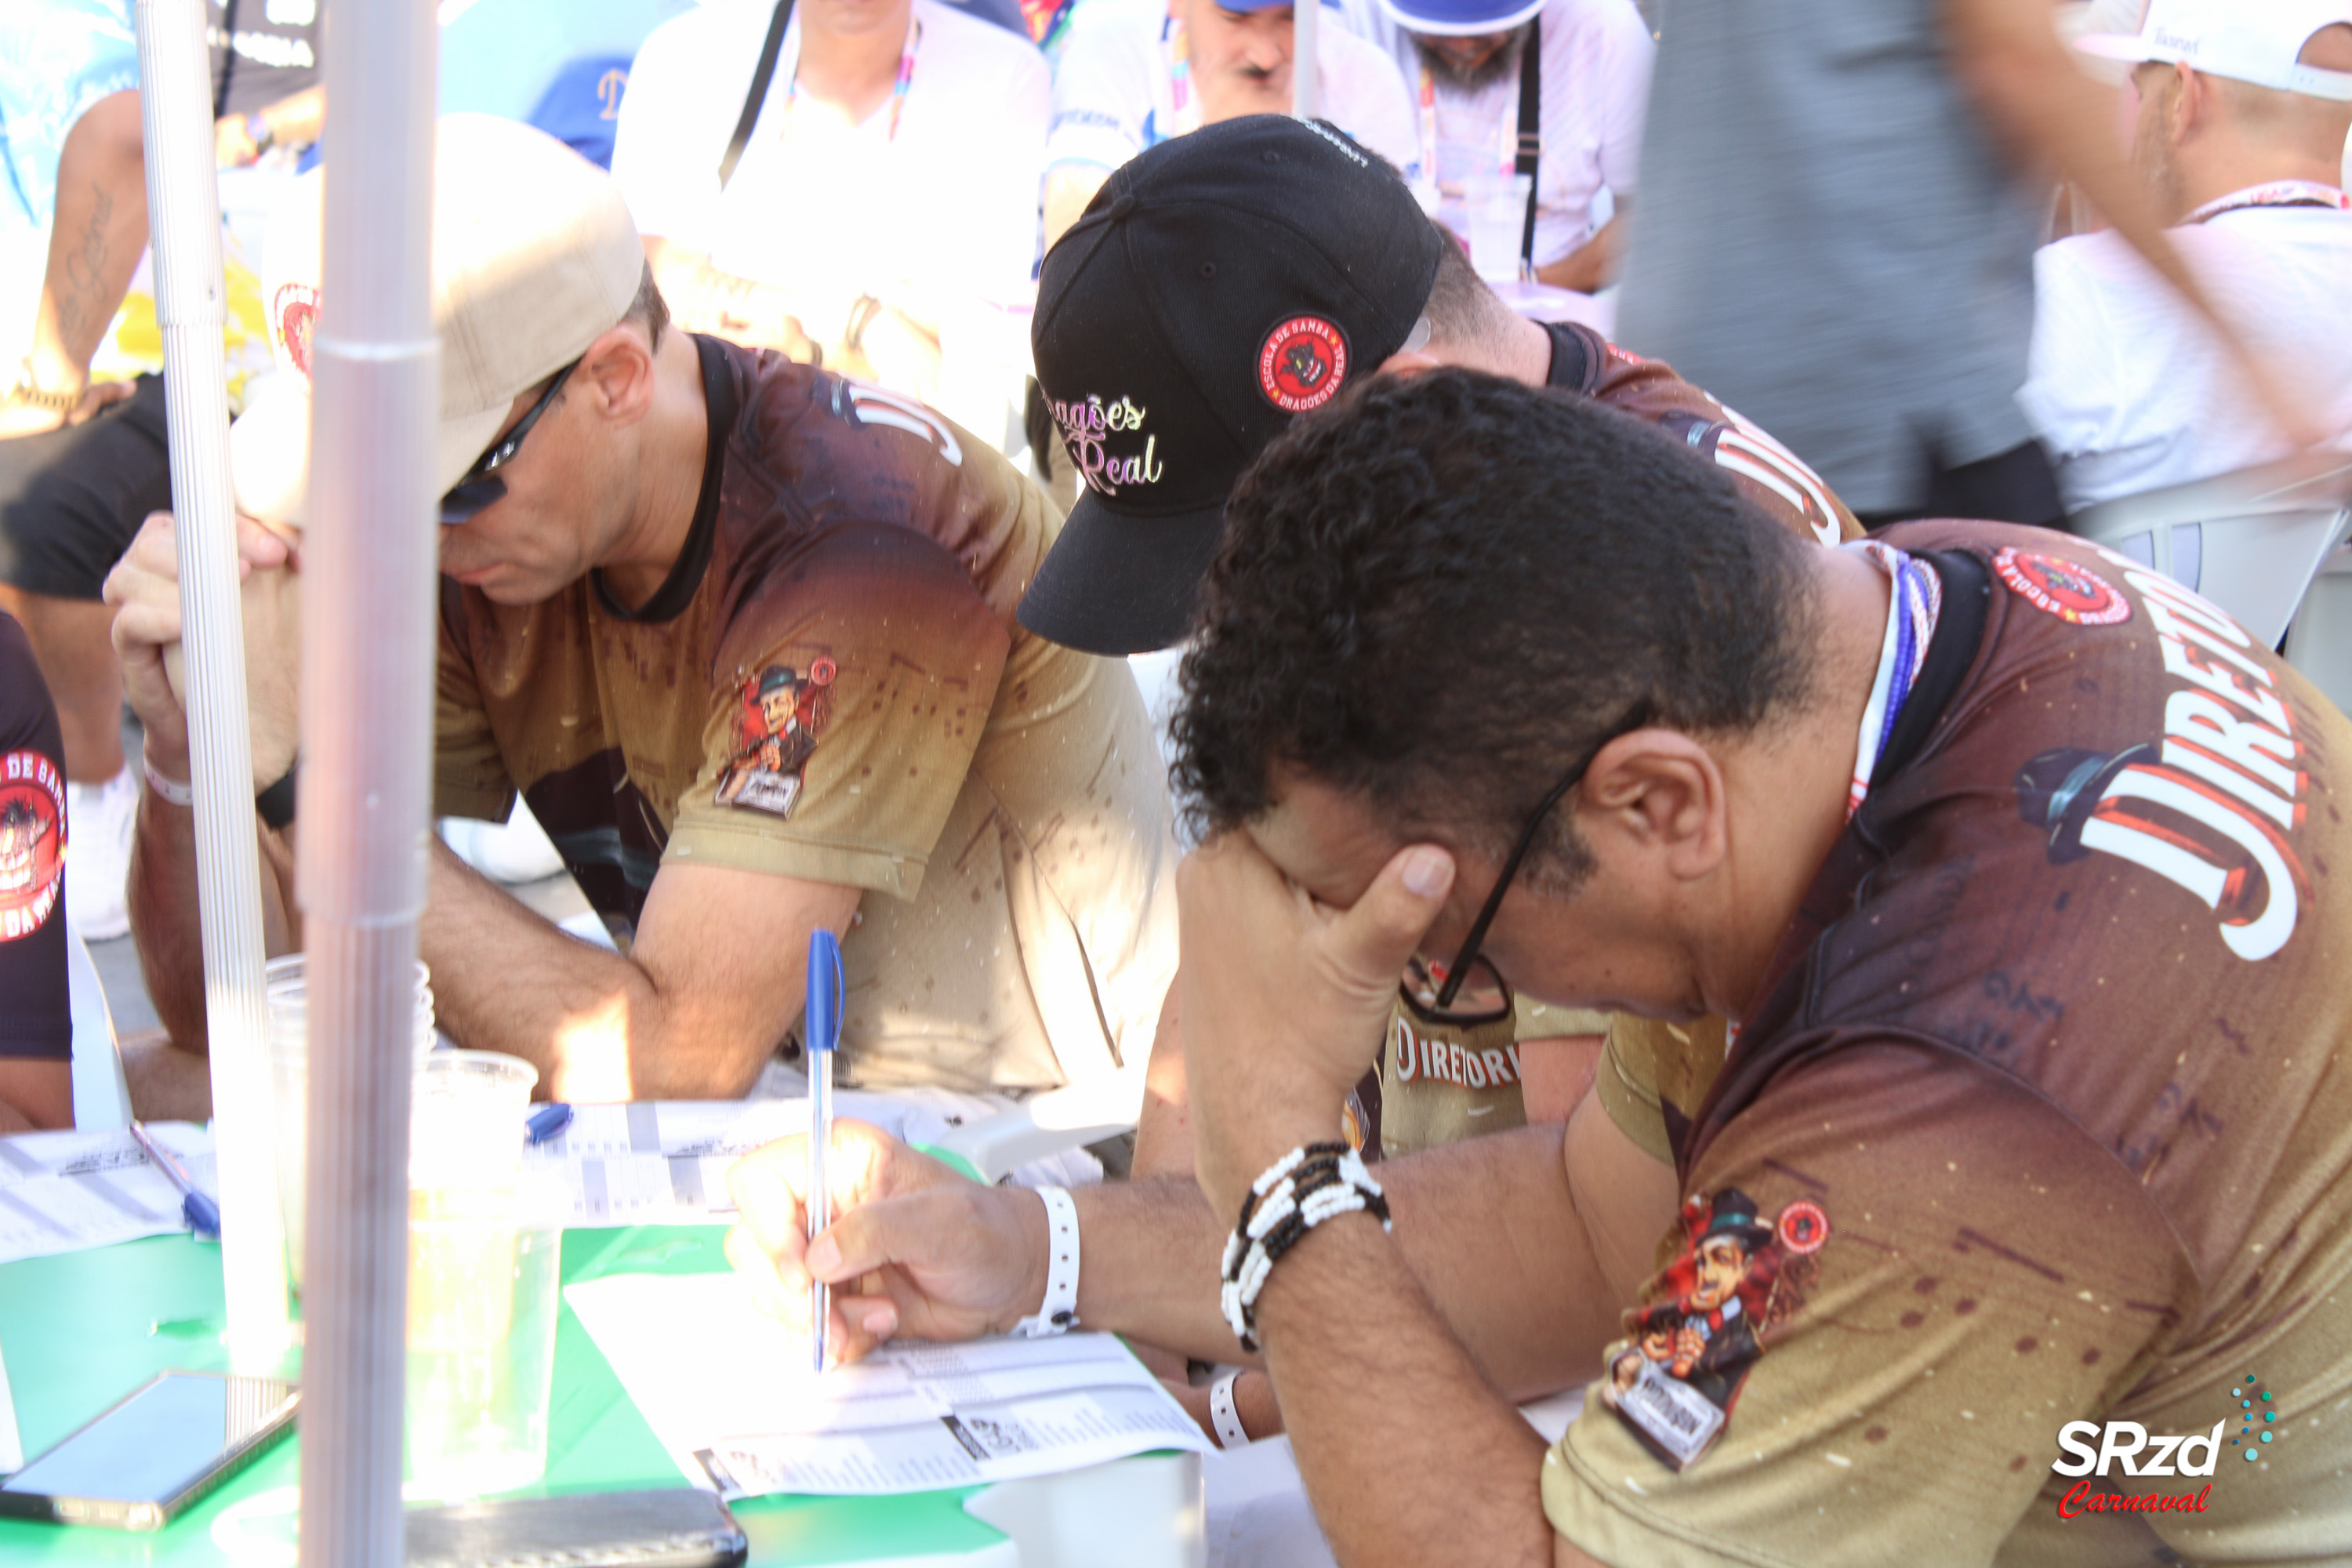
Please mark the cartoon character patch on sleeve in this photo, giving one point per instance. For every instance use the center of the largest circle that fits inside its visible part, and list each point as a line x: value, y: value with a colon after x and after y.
x: 1675, y: 1381
x: 784, y: 715
x: 32, y: 842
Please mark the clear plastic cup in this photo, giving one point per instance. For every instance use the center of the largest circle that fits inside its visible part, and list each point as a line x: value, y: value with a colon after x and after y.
x: 1497, y: 207
x: 287, y: 994
x: 483, y: 1245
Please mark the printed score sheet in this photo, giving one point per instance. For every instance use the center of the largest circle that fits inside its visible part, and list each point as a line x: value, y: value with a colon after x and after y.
x: 727, y: 1391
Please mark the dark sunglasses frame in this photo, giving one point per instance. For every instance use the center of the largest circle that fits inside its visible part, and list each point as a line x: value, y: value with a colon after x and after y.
x: 481, y: 485
x: 1459, y: 969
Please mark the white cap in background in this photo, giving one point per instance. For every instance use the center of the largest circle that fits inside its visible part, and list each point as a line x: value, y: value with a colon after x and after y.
x: 2247, y: 40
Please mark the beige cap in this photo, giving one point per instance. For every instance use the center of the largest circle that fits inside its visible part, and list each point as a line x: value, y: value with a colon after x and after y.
x: 534, y: 257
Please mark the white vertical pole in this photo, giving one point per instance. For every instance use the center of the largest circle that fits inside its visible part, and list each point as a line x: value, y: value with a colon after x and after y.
x: 191, y: 308
x: 367, y: 744
x: 1305, y: 76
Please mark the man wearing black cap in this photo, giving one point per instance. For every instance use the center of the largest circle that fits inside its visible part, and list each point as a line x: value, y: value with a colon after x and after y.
x: 1219, y: 286
x: 1226, y: 281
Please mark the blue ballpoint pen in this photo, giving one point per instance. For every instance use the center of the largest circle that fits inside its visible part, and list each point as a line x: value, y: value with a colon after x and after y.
x: 822, y: 1021
x: 201, y: 1213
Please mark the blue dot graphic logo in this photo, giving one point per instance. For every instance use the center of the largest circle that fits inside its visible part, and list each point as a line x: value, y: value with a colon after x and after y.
x: 2256, y: 1412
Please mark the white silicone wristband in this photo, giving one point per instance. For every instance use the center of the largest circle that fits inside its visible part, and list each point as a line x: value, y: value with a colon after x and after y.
x: 176, y: 794
x: 1223, y: 1414
x: 1058, y: 1313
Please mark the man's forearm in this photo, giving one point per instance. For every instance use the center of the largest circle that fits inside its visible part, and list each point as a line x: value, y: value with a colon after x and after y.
x: 98, y: 230
x: 1588, y: 268
x: 1374, y: 1387
x: 166, y: 924
x: 1487, y: 1226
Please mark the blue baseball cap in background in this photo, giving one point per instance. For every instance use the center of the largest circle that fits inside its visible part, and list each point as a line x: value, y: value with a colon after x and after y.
x: 1460, y: 18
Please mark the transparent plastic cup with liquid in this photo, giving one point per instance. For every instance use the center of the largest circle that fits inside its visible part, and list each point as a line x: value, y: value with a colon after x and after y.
x: 286, y: 991
x: 484, y: 1242
x: 1496, y: 205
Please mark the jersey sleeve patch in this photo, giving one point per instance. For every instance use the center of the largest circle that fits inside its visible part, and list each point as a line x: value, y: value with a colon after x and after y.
x: 1675, y: 1378
x: 784, y: 713
x: 32, y: 842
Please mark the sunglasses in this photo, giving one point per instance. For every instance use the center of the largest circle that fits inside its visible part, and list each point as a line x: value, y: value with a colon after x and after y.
x: 1489, y: 998
x: 481, y: 485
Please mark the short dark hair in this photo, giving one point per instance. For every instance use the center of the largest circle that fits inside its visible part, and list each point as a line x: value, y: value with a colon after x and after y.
x: 649, y: 309
x: 1440, y: 593
x: 1462, y: 311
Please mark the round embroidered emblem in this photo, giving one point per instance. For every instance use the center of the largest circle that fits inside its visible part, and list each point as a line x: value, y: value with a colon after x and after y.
x: 822, y: 672
x: 295, y: 313
x: 1803, y: 1227
x: 2061, y: 588
x: 32, y: 842
x: 1301, y: 364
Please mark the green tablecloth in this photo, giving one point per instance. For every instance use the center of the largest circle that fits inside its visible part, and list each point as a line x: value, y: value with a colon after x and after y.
x: 78, y: 1331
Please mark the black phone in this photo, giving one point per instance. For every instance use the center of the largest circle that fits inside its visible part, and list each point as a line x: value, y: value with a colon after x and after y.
x: 675, y: 1528
x: 141, y: 1463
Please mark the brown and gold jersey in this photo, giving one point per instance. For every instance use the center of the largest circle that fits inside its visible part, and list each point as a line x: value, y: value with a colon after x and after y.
x: 831, y: 686
x: 2019, y: 1218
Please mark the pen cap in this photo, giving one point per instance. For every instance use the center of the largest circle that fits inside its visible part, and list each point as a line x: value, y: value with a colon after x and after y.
x: 823, y: 1009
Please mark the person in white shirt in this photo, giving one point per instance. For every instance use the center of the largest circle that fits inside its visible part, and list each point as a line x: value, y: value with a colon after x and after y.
x: 1137, y: 73
x: 2242, y: 113
x: 888, y: 183
x: 1462, y: 62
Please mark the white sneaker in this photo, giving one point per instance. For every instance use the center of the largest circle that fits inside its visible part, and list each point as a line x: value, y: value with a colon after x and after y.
x: 99, y: 822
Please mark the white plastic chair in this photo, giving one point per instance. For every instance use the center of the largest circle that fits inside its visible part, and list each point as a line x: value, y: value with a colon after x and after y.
x: 2319, y: 643
x: 1050, y: 1123
x: 102, y: 1094
x: 2250, y: 542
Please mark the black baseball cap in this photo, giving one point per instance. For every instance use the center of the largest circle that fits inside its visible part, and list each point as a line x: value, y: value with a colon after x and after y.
x: 1219, y: 284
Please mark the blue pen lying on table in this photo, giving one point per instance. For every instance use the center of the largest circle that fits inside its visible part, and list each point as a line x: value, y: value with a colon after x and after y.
x: 821, y: 1020
x: 201, y: 1213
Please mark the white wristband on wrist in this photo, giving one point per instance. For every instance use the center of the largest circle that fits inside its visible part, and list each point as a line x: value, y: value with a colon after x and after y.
x: 177, y: 794
x: 1224, y: 1413
x: 1058, y: 1313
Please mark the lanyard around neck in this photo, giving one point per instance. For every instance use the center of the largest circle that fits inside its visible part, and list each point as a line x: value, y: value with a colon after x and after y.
x: 1914, y: 598
x: 1506, y: 131
x: 2277, y: 193
x: 897, y: 89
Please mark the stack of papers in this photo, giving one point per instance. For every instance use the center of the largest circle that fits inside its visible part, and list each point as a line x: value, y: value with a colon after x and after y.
x: 665, y: 1161
x: 728, y: 1392
x: 62, y: 1191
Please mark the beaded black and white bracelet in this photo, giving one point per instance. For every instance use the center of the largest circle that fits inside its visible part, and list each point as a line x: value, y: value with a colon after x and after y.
x: 1298, y: 1192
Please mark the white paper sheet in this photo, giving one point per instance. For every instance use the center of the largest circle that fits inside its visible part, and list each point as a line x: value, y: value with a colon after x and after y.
x: 62, y: 1191
x: 728, y: 1392
x: 665, y: 1162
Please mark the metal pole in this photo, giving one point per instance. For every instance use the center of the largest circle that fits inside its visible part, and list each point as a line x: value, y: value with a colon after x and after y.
x: 191, y: 308
x: 1303, y: 74
x: 367, y: 744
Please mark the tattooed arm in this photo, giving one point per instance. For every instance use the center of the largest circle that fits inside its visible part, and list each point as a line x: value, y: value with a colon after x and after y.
x: 94, y: 245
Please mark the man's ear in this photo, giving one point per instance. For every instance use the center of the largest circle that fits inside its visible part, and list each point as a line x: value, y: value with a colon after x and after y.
x: 2191, y: 105
x: 1410, y: 361
x: 1661, y: 795
x: 619, y: 366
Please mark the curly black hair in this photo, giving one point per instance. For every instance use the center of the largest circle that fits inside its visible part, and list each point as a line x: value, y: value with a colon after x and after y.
x: 1440, y: 591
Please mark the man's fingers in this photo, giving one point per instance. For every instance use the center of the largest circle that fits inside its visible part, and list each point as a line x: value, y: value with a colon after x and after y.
x: 257, y: 546
x: 767, y: 1194
x: 1378, y: 935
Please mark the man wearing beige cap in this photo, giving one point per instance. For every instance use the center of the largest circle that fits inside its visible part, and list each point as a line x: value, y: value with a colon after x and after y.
x: 742, y: 632
x: 2243, y: 111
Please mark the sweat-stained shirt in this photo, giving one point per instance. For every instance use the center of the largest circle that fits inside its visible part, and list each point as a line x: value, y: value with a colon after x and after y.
x: 1440, y: 1082
x: 831, y: 686
x: 2044, y: 1116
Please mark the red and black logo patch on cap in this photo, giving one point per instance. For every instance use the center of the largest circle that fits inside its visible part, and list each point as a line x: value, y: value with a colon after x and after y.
x: 1301, y: 364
